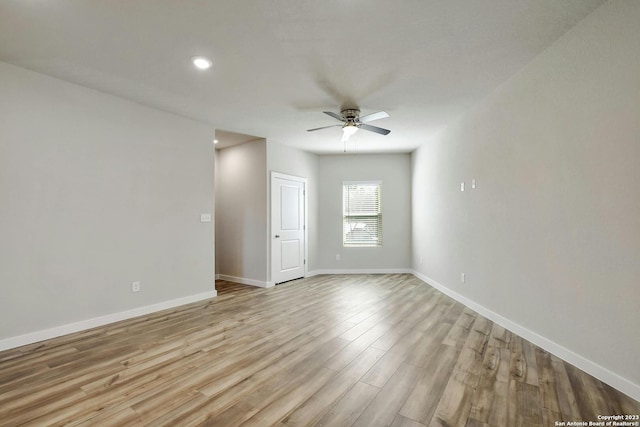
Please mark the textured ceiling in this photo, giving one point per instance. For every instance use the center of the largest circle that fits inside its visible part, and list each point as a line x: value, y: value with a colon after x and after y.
x: 279, y: 63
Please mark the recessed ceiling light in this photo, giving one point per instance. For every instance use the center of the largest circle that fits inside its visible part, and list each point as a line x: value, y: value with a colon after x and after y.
x: 201, y: 62
x: 215, y: 141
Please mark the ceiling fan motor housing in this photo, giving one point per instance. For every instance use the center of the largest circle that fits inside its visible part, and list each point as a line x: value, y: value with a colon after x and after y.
x: 350, y: 115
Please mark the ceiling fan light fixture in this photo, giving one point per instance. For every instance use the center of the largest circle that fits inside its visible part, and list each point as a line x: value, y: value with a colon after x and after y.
x: 348, y: 130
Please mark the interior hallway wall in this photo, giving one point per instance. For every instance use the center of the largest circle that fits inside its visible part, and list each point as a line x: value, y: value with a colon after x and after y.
x: 241, y: 212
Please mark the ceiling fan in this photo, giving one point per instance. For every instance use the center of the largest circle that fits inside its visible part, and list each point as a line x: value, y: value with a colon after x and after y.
x: 351, y: 122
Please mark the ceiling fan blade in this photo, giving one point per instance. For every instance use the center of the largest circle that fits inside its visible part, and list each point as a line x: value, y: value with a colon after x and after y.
x: 323, y: 127
x: 334, y: 115
x: 373, y: 116
x: 375, y: 129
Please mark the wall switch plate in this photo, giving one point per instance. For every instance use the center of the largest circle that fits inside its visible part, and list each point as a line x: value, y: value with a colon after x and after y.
x: 135, y: 287
x: 421, y: 260
x: 462, y: 186
x: 462, y: 277
x: 337, y: 257
x: 205, y: 217
x: 473, y: 183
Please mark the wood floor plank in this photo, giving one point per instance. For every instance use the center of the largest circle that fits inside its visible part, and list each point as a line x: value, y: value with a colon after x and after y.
x: 423, y: 399
x: 327, y: 350
x: 274, y: 413
x: 421, y: 354
x: 401, y: 421
x: 455, y: 404
x: 385, y: 406
x: 499, y: 336
x: 403, y: 349
x: 155, y: 388
x: 566, y: 396
x: 491, y: 395
x: 348, y: 409
x: 524, y: 407
x: 317, y: 405
x: 523, y: 361
x: 125, y: 417
x: 356, y: 347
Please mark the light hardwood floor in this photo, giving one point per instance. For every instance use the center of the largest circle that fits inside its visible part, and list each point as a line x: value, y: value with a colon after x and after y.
x: 359, y: 350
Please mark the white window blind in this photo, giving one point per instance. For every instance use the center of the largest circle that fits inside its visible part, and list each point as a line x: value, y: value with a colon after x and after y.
x: 362, y: 214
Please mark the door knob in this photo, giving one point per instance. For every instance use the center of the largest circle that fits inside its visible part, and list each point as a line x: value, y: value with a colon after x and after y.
x: 277, y: 236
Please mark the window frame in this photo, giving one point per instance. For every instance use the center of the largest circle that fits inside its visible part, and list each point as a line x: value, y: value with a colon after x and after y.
x: 348, y: 216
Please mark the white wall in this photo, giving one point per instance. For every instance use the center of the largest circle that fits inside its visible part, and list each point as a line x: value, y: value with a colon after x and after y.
x: 96, y: 192
x: 550, y: 238
x: 241, y: 212
x: 291, y: 161
x: 394, y: 170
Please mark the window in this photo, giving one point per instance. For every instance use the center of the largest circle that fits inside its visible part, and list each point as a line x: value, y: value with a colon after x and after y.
x: 361, y: 214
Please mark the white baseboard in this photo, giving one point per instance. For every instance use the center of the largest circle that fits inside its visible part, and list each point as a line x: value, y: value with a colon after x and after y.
x: 362, y: 271
x: 592, y: 368
x: 33, y: 337
x: 245, y: 281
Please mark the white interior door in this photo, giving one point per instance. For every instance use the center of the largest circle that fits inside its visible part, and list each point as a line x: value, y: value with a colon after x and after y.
x: 287, y: 227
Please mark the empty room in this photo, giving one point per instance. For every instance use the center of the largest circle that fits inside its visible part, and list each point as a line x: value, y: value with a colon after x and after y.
x: 339, y: 213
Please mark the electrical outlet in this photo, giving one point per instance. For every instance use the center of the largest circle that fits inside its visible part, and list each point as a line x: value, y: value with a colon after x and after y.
x: 462, y: 277
x: 462, y: 186
x: 337, y: 257
x: 135, y: 287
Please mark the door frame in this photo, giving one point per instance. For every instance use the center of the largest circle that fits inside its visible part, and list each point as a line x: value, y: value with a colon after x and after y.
x: 304, y: 182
